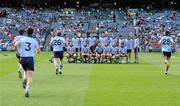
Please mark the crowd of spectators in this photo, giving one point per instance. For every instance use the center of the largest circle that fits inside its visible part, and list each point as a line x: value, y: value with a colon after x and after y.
x: 150, y: 26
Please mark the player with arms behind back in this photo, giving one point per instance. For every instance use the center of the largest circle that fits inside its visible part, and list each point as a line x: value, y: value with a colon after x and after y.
x: 58, y: 43
x: 27, y: 47
x: 166, y: 44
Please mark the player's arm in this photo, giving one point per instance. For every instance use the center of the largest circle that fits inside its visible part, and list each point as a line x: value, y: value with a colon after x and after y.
x: 173, y: 44
x: 38, y: 50
x: 16, y: 45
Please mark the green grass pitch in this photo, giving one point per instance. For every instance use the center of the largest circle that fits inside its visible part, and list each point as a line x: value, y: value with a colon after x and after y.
x: 141, y: 84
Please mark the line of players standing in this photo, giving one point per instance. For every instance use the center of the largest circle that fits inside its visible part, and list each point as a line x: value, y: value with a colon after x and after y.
x: 105, y: 49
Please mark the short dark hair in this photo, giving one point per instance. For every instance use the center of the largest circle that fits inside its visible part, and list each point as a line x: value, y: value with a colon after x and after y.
x: 167, y: 33
x: 30, y: 31
x: 59, y: 34
x: 21, y: 31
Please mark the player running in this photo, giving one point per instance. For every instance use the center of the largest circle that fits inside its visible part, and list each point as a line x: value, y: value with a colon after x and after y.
x: 166, y: 43
x: 58, y: 43
x: 27, y: 47
x: 20, y: 69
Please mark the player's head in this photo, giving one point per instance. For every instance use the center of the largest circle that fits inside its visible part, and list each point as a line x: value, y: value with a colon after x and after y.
x: 70, y: 43
x: 135, y: 36
x: 113, y: 36
x: 106, y: 43
x: 52, y: 31
x: 122, y: 44
x: 21, y: 31
x: 102, y: 35
x: 167, y: 33
x: 75, y: 35
x: 85, y: 44
x: 129, y: 37
x: 114, y: 44
x: 83, y: 35
x: 58, y: 34
x: 30, y: 32
x: 98, y: 43
x: 120, y: 36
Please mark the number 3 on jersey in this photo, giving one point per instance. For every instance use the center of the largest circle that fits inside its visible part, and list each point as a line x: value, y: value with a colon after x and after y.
x: 28, y: 46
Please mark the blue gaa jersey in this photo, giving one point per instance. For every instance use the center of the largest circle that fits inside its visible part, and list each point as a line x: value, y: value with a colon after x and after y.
x: 99, y: 49
x: 16, y: 39
x: 166, y: 43
x: 71, y: 49
x: 113, y: 41
x: 130, y: 44
x: 122, y: 50
x: 106, y: 49
x: 83, y: 41
x: 91, y: 40
x: 27, y: 46
x: 85, y: 49
x: 114, y: 50
x: 102, y: 40
x: 76, y: 42
x: 57, y: 43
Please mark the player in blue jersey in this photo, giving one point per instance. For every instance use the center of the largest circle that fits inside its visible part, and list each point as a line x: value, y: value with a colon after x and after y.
x: 76, y: 43
x: 113, y: 40
x: 123, y: 53
x: 91, y: 40
x: 71, y: 53
x: 85, y: 53
x: 166, y: 44
x: 16, y: 39
x: 83, y: 40
x: 114, y: 53
x: 99, y: 52
x: 103, y: 39
x: 106, y: 53
x: 27, y: 47
x: 58, y: 44
x: 93, y: 53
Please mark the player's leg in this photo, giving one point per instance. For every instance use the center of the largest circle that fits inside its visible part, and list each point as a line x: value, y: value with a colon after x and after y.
x: 136, y: 54
x: 167, y: 57
x: 74, y: 57
x: 57, y: 55
x: 68, y: 57
x: 56, y: 65
x: 121, y: 58
x: 61, y: 56
x: 20, y: 68
x: 129, y: 56
x: 77, y: 50
x: 110, y: 58
x: 167, y: 65
x: 29, y: 82
x: 116, y: 58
